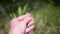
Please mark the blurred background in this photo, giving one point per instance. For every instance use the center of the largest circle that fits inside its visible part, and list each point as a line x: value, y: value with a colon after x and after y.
x: 45, y: 12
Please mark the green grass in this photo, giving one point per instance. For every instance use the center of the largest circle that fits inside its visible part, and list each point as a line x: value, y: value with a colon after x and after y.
x: 47, y: 19
x: 20, y: 11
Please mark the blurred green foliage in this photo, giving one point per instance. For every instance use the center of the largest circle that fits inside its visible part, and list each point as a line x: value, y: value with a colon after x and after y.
x: 45, y: 12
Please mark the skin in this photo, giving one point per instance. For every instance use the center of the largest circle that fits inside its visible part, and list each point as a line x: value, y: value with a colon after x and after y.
x: 22, y: 24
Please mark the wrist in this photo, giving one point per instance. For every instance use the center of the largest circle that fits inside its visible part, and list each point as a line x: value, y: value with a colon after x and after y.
x: 15, y: 31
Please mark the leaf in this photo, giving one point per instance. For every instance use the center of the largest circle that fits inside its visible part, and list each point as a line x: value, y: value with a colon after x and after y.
x: 19, y: 11
x: 11, y: 15
x: 14, y: 15
x: 25, y: 8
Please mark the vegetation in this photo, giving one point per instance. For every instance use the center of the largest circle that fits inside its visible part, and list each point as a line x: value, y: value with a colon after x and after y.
x: 45, y: 12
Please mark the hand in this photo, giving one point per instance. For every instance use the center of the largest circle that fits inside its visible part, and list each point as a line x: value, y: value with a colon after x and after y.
x: 21, y: 25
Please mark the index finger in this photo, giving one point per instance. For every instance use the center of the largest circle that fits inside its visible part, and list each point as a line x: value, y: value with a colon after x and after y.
x: 24, y: 16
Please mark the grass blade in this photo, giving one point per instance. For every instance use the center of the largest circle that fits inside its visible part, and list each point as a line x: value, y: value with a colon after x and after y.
x: 19, y: 11
x: 25, y: 8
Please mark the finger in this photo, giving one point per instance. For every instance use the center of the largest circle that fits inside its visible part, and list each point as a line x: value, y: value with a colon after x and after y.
x: 24, y: 16
x: 32, y: 18
x: 30, y: 23
x: 29, y: 29
x: 27, y: 19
